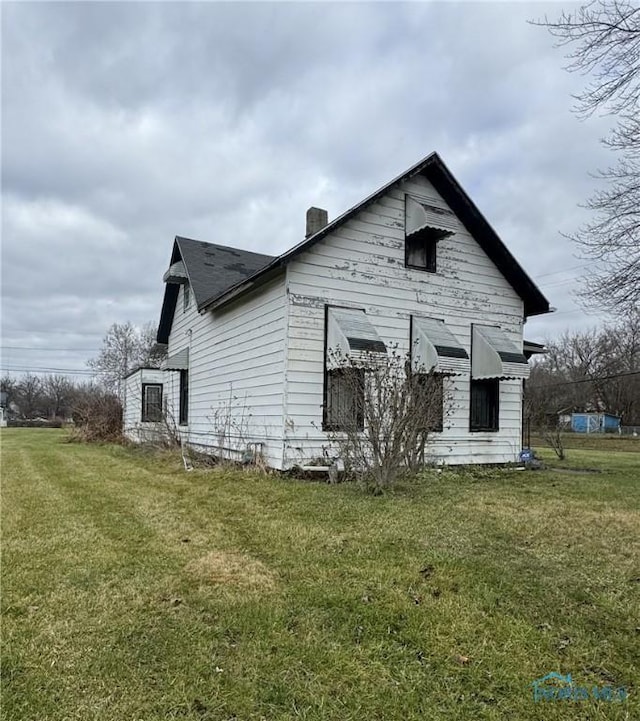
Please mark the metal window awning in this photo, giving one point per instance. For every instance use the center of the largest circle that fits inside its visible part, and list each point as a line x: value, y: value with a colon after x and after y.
x: 177, y: 362
x: 177, y: 273
x: 436, y: 349
x: 420, y: 215
x: 351, y: 336
x: 493, y: 355
x: 530, y: 348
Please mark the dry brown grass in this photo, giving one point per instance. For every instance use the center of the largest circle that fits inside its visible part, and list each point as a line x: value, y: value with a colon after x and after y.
x: 235, y: 571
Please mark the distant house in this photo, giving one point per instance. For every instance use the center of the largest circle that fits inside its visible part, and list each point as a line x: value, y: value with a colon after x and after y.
x: 414, y: 265
x: 595, y: 423
x: 3, y: 409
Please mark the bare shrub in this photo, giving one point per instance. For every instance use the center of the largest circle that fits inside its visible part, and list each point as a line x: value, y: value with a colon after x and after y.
x: 97, y: 416
x: 541, y: 412
x: 167, y: 431
x: 230, y: 422
x: 381, y: 413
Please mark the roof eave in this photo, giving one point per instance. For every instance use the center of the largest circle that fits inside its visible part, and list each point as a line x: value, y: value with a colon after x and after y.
x: 170, y: 300
x: 454, y: 195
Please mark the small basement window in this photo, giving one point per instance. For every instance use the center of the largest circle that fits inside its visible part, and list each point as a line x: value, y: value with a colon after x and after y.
x: 485, y: 403
x: 344, y: 399
x: 151, y: 402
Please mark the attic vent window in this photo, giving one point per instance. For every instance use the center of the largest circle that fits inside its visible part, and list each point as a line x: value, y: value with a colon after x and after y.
x: 420, y: 252
x: 425, y: 225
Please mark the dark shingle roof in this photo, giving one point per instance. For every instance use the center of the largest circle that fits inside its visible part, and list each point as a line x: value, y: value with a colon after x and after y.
x: 212, y: 269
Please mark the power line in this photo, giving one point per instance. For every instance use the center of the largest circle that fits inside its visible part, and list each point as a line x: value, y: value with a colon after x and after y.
x: 61, y: 371
x: 562, y: 270
x: 34, y: 331
x: 24, y: 347
x: 590, y: 380
x: 559, y: 283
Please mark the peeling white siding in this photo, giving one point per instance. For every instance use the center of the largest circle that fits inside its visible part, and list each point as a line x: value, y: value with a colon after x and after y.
x: 256, y: 366
x: 361, y: 264
x: 236, y: 373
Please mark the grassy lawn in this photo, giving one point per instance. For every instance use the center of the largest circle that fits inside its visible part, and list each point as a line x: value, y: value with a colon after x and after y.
x: 134, y: 590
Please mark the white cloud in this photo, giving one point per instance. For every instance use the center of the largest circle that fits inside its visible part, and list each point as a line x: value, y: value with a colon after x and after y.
x: 126, y: 124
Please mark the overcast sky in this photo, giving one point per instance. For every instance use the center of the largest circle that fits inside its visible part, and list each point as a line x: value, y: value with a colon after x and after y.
x: 124, y: 124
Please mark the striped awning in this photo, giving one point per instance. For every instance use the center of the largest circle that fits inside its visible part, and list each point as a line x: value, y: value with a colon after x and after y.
x: 177, y: 273
x: 420, y: 215
x: 435, y: 348
x: 351, y: 336
x: 177, y: 362
x: 494, y: 355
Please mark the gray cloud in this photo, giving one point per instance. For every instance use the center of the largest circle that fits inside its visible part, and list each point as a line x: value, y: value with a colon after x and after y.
x: 125, y: 124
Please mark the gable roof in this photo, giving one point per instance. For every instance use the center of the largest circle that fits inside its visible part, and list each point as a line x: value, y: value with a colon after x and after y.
x: 219, y: 274
x: 434, y: 169
x: 211, y: 270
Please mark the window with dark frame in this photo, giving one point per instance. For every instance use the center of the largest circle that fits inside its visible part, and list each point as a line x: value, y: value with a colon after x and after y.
x: 485, y: 404
x: 151, y: 402
x: 344, y: 399
x: 183, y: 416
x: 186, y: 297
x: 429, y: 400
x: 420, y: 250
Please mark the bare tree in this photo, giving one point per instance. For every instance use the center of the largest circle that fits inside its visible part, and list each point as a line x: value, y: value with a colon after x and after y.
x: 29, y: 398
x: 58, y: 393
x: 542, y: 409
x: 596, y: 370
x: 380, y: 415
x: 124, y: 348
x: 604, y: 37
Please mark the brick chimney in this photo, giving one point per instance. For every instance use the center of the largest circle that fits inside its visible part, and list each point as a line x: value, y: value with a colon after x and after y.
x: 317, y: 218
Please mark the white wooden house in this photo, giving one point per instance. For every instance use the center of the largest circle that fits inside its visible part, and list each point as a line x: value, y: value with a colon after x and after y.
x: 415, y: 264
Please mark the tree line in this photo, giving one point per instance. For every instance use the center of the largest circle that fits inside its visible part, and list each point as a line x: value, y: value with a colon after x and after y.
x: 56, y: 396
x: 50, y: 396
x: 595, y: 370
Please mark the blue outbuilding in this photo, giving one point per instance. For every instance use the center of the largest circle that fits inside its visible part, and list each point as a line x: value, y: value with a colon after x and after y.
x: 595, y: 423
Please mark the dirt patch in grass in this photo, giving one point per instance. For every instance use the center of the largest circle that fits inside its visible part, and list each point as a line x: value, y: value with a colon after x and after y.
x: 233, y: 570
